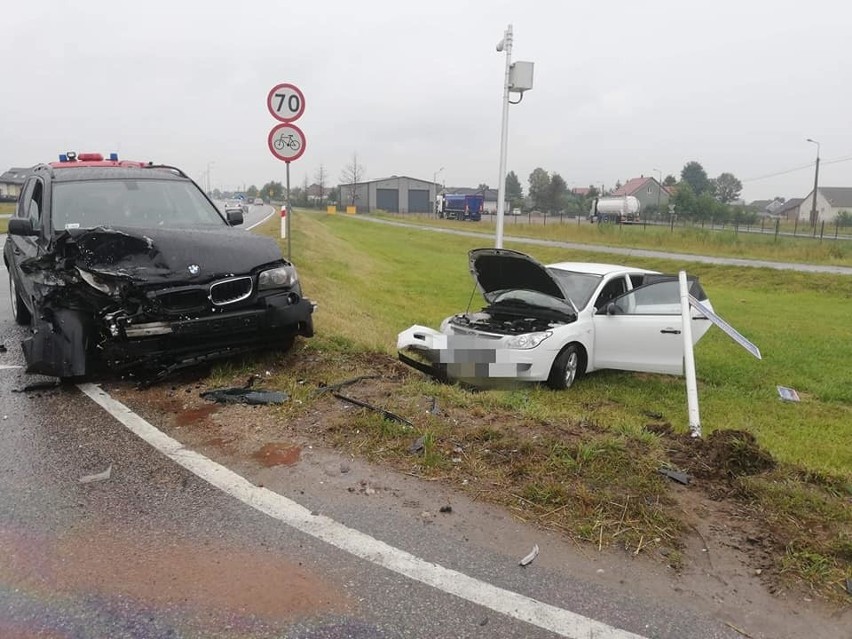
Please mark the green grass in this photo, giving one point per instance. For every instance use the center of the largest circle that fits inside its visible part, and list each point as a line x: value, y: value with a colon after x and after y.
x: 372, y: 281
x: 4, y: 225
x: 696, y: 240
x: 584, y: 462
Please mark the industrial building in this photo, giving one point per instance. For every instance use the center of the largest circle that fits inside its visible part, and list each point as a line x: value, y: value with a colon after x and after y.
x: 395, y: 194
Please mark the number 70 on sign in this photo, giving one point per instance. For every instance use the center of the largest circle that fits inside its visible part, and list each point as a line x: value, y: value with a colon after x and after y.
x: 285, y: 102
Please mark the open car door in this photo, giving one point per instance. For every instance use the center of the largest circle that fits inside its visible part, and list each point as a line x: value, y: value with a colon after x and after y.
x: 641, y: 330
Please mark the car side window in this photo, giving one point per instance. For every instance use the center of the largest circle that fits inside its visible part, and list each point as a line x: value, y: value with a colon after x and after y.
x: 23, y: 209
x: 612, y: 289
x: 34, y: 205
x: 660, y: 298
x: 636, y: 279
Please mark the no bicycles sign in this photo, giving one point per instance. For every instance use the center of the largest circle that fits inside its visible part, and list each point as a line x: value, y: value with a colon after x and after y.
x: 286, y: 142
x: 286, y: 103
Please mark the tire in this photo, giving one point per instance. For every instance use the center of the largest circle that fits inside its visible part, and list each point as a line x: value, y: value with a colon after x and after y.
x: 20, y: 311
x: 567, y: 368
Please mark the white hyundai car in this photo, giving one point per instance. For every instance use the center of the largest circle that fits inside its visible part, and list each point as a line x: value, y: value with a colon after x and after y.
x: 557, y: 322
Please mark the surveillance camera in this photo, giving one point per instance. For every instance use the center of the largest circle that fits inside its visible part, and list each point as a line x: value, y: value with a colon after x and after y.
x: 500, y: 46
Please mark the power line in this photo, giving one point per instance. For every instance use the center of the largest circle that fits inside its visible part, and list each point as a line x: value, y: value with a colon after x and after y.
x: 798, y: 168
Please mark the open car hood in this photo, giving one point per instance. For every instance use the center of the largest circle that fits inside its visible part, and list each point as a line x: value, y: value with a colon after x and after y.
x: 503, y: 269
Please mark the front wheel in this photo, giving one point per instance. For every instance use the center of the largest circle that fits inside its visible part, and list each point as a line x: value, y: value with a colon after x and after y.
x: 20, y: 312
x: 567, y: 368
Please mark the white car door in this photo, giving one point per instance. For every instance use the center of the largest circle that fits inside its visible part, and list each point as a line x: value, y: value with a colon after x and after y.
x: 641, y: 331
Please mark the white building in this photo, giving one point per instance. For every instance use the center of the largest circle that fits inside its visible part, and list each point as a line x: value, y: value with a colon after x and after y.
x: 830, y: 201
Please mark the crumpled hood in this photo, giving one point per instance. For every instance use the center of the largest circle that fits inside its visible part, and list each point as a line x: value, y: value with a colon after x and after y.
x: 501, y: 269
x: 158, y: 255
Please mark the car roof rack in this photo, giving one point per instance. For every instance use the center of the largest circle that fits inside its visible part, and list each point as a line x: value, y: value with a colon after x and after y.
x: 173, y: 169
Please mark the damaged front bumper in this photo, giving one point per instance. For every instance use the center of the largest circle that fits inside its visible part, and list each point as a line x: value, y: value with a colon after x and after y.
x: 64, y: 341
x: 472, y: 358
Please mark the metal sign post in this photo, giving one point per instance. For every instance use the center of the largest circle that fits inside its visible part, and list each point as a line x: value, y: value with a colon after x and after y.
x: 286, y: 103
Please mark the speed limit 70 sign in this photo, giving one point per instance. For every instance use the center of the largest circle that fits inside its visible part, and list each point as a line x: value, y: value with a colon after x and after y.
x: 286, y: 102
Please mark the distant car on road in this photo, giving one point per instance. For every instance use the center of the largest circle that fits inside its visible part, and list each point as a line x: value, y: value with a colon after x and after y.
x: 235, y: 206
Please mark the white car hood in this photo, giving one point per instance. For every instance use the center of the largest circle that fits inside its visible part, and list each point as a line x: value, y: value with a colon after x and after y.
x: 503, y: 269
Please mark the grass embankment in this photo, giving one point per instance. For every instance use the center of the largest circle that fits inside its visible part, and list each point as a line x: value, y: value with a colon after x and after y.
x: 694, y: 240
x: 585, y: 461
x: 6, y: 208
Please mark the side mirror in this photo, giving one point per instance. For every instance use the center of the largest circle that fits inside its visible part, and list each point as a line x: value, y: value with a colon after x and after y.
x: 611, y: 308
x: 235, y: 218
x: 21, y: 226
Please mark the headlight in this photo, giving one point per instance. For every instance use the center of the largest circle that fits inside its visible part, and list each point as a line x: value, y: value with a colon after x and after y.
x: 527, y: 340
x: 97, y: 283
x: 280, y: 277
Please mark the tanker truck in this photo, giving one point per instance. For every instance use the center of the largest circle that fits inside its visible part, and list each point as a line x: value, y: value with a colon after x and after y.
x: 623, y: 210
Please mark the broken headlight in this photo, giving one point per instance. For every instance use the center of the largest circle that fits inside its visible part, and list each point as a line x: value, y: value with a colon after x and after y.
x: 97, y: 283
x: 528, y: 340
x: 279, y: 277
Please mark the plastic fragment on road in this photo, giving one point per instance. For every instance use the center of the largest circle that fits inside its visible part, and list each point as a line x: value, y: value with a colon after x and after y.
x: 48, y: 385
x: 675, y: 475
x: 103, y: 476
x: 383, y: 412
x: 787, y: 394
x: 243, y: 395
x: 526, y: 561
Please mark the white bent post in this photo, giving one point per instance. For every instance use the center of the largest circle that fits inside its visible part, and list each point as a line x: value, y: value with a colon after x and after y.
x: 283, y: 222
x: 689, y: 358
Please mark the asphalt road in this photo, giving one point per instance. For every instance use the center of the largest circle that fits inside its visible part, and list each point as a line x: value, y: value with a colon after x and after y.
x: 157, y: 551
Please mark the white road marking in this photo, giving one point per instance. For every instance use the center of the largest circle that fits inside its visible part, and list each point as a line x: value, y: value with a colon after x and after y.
x: 512, y: 604
x: 249, y: 228
x: 6, y: 367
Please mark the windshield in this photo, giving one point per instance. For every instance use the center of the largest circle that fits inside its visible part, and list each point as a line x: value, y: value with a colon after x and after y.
x: 145, y: 203
x: 521, y: 298
x: 577, y: 286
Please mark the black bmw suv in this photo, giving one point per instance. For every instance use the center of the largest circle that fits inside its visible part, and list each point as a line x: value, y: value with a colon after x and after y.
x: 131, y: 266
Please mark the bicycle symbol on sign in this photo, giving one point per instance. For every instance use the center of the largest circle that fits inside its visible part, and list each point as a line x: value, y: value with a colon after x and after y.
x: 288, y: 141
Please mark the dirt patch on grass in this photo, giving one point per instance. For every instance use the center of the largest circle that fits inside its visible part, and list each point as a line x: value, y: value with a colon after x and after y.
x: 591, y: 482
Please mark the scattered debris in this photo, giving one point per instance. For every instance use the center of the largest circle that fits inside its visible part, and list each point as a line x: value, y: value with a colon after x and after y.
x: 433, y: 409
x: 652, y: 414
x: 484, y: 621
x: 47, y: 385
x: 347, y: 382
x: 384, y: 413
x: 245, y: 395
x: 739, y: 630
x: 3, y: 348
x: 676, y: 475
x: 445, y: 509
x: 526, y: 561
x: 849, y: 585
x: 103, y: 476
x: 788, y: 394
x: 418, y: 445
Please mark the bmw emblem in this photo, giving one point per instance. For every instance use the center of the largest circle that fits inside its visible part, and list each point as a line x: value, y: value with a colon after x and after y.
x: 193, y: 269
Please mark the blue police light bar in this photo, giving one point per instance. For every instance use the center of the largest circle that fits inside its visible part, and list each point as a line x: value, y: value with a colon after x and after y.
x: 63, y: 157
x: 113, y: 157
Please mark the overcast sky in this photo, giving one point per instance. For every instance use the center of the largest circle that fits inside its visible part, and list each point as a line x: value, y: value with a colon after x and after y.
x: 621, y: 87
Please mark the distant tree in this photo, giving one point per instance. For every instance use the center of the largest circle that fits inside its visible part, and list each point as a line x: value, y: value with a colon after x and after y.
x: 352, y: 174
x: 670, y: 180
x: 780, y: 199
x: 727, y: 188
x: 303, y: 196
x: 695, y: 175
x: 558, y: 193
x: 540, y: 189
x: 618, y: 184
x: 684, y: 200
x: 272, y: 191
x: 320, y: 178
x: 217, y: 194
x: 593, y: 192
x: 252, y: 191
x: 514, y: 192
x: 843, y: 219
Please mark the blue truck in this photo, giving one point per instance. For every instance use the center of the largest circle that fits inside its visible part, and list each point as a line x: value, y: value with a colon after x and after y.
x: 461, y: 207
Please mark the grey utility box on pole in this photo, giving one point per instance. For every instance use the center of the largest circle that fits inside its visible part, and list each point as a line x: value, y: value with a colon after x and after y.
x: 521, y: 77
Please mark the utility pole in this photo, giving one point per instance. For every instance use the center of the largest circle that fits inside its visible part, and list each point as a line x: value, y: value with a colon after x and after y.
x: 814, y: 214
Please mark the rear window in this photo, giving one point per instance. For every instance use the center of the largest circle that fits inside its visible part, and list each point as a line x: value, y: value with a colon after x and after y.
x: 143, y: 203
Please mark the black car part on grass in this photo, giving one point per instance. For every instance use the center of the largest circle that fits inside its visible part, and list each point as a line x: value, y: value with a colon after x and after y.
x: 384, y: 413
x: 146, y: 300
